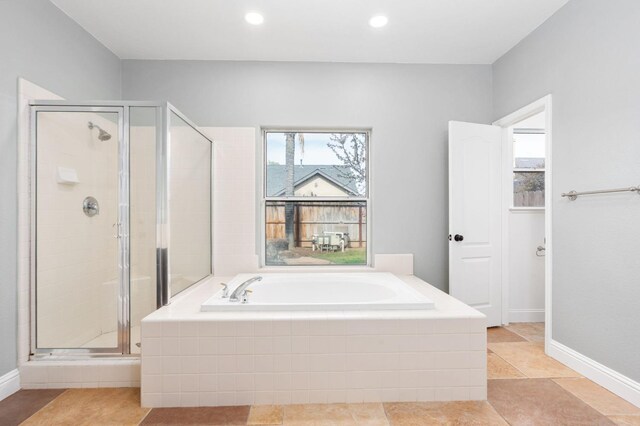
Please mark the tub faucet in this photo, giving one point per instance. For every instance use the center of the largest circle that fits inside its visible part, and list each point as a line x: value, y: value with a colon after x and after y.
x: 235, y: 296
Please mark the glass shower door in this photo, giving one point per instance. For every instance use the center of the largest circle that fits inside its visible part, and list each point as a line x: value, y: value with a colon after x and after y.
x: 81, y: 230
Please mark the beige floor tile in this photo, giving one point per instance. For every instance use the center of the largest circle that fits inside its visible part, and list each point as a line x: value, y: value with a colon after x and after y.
x: 439, y: 413
x: 530, y: 359
x: 598, y: 397
x: 531, y: 331
x: 465, y: 413
x: 368, y: 414
x: 23, y: 404
x: 92, y: 407
x: 266, y: 415
x: 408, y: 414
x: 626, y: 420
x: 318, y: 414
x: 501, y: 335
x: 211, y: 416
x: 540, y: 402
x: 498, y: 368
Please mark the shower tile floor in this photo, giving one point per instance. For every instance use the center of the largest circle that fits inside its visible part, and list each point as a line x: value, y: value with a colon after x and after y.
x: 525, y: 387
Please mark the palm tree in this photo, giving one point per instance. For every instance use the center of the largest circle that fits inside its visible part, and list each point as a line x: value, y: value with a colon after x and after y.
x: 289, y: 215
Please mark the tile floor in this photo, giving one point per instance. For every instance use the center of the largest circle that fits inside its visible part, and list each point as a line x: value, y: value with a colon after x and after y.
x: 525, y: 388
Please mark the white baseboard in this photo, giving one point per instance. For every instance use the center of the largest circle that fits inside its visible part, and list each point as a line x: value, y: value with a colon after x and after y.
x: 526, y: 315
x: 9, y: 384
x: 622, y: 386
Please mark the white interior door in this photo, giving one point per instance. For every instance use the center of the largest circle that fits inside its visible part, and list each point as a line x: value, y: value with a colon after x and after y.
x: 474, y: 217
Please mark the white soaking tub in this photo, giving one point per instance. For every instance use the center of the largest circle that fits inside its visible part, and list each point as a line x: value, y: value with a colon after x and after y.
x: 322, y: 292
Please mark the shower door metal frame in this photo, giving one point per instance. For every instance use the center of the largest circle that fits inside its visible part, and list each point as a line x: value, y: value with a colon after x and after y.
x: 123, y: 314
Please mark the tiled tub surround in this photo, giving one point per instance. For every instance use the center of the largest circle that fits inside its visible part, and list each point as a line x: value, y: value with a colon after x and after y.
x: 193, y: 358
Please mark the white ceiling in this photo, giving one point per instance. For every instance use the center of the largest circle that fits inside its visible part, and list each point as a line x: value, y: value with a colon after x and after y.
x: 419, y: 31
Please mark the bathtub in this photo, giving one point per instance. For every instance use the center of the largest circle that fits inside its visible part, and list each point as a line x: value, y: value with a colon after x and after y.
x: 322, y: 292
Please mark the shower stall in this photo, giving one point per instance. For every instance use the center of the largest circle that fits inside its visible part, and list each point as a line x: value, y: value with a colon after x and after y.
x: 121, y: 204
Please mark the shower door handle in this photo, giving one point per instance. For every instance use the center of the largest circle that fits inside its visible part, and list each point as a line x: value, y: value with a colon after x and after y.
x: 118, y: 227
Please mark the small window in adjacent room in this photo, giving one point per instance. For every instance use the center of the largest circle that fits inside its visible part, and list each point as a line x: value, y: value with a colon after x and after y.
x: 316, y: 197
x: 528, y: 168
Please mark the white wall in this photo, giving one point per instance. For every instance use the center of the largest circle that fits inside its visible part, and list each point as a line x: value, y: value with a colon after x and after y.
x: 587, y: 57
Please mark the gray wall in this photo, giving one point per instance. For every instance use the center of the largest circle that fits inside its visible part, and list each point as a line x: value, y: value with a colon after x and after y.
x: 40, y: 43
x: 588, y: 57
x: 407, y: 106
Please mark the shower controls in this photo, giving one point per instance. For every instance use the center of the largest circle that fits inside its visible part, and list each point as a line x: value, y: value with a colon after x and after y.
x: 90, y: 206
x: 244, y: 298
x: 225, y: 290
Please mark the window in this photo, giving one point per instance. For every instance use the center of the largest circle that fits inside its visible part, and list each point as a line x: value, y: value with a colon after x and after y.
x: 528, y: 167
x: 316, y: 197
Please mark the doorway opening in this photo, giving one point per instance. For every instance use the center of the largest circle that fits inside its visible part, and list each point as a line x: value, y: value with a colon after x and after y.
x: 526, y: 220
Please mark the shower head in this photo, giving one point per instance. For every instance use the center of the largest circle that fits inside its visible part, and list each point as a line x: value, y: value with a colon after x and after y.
x: 103, y: 135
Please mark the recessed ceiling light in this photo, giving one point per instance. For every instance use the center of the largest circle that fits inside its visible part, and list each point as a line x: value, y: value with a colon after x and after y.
x: 254, y: 18
x: 378, y: 21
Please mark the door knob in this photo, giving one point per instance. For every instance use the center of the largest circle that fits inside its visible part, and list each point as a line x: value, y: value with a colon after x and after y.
x: 458, y: 237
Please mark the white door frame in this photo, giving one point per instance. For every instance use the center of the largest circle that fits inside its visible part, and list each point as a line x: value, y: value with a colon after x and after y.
x: 542, y: 104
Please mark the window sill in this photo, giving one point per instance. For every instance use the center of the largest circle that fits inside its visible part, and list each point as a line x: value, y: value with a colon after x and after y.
x: 315, y: 268
x: 526, y: 209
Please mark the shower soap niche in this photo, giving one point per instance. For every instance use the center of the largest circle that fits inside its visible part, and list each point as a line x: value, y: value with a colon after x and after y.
x: 67, y: 176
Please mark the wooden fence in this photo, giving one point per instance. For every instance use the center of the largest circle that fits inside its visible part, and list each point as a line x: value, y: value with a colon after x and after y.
x: 528, y: 199
x: 315, y: 218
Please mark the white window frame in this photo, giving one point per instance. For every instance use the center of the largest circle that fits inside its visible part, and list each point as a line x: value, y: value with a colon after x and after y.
x: 264, y: 198
x: 514, y: 169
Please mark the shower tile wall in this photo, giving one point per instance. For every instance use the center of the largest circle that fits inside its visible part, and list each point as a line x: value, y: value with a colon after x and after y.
x: 77, y: 254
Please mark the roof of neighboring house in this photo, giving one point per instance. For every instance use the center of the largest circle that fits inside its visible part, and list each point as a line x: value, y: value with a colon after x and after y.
x: 277, y: 173
x: 529, y: 163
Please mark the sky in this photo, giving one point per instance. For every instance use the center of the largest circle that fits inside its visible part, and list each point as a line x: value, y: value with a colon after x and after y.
x: 528, y: 146
x: 316, y: 150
